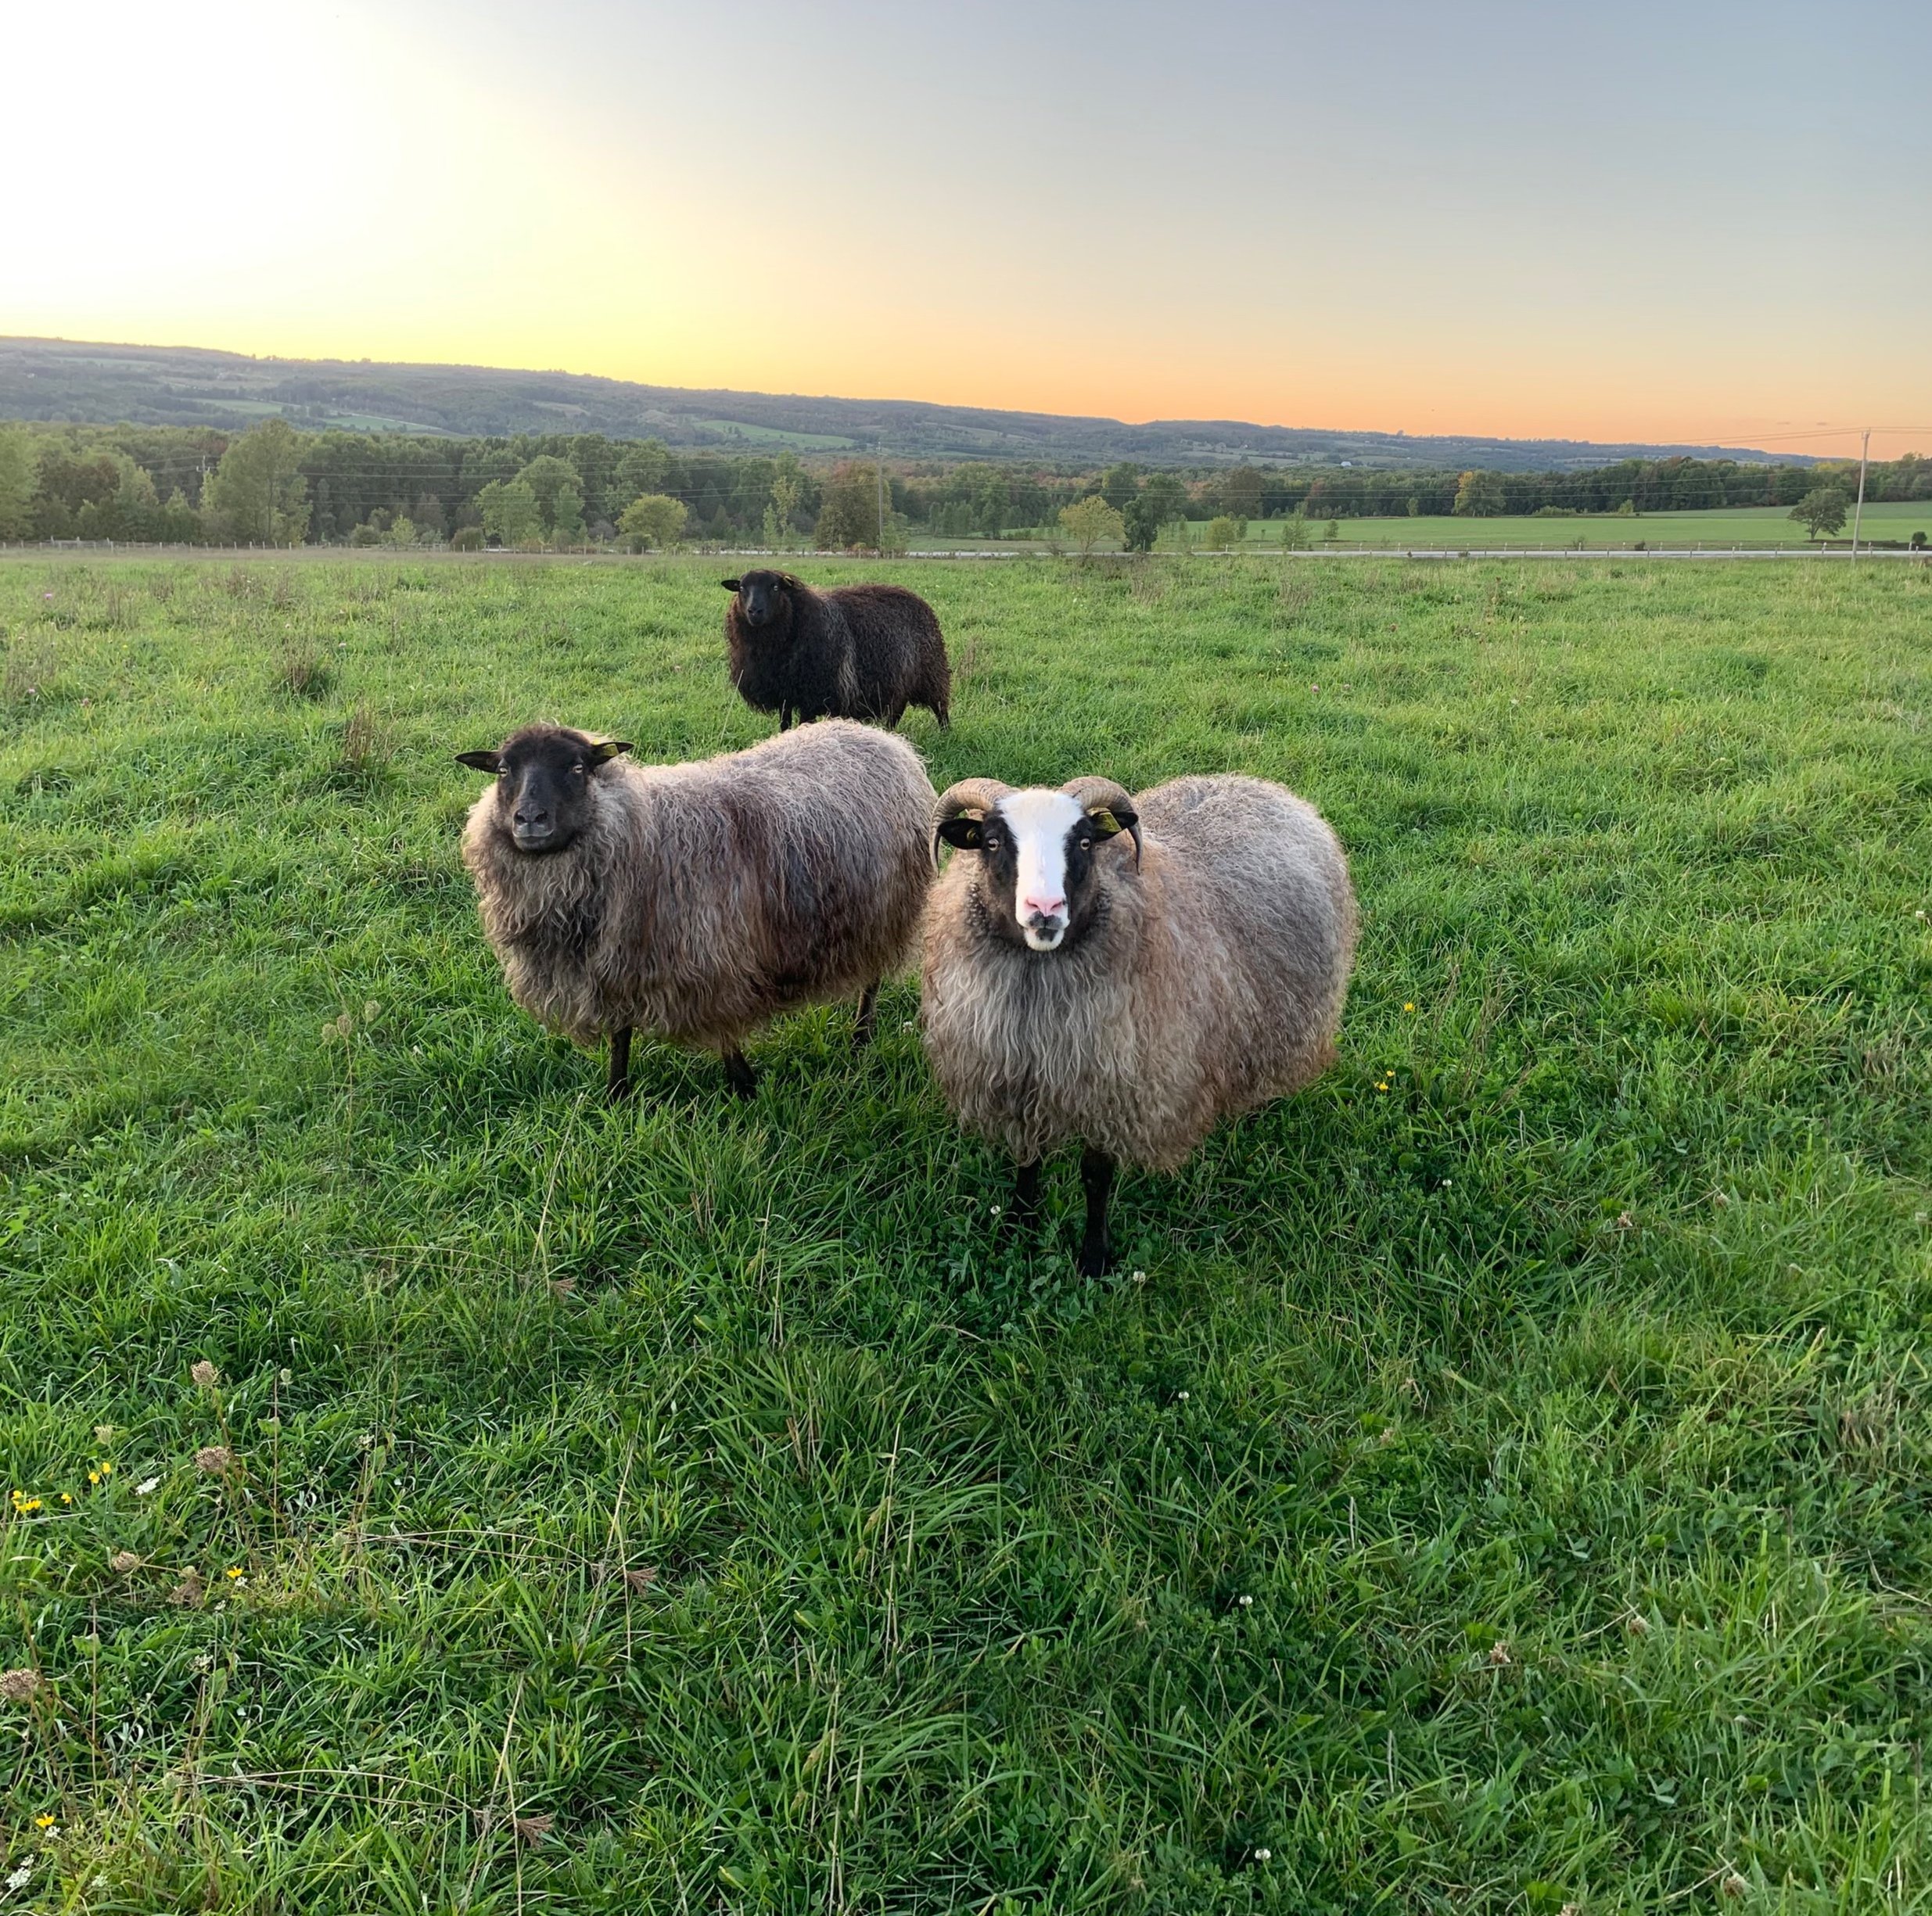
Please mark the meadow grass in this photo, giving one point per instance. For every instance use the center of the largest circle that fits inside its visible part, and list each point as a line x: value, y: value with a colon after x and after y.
x: 1744, y: 526
x: 1494, y: 1480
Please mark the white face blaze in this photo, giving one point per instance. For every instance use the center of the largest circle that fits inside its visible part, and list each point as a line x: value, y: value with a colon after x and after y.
x: 1040, y: 822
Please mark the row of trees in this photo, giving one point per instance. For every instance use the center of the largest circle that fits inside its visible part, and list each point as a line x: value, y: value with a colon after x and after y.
x: 275, y: 485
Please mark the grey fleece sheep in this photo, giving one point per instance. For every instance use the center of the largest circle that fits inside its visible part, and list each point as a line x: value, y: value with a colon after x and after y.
x: 699, y: 901
x: 1130, y: 970
x: 853, y: 652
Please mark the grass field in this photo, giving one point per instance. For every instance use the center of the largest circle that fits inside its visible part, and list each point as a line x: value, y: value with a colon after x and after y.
x: 1496, y: 1480
x: 1757, y: 525
x: 1752, y: 526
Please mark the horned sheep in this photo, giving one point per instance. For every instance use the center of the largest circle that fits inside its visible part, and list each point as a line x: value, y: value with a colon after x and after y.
x: 853, y: 652
x: 697, y: 902
x: 1128, y: 971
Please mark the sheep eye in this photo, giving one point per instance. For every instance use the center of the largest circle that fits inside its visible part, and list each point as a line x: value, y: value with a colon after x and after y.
x: 578, y: 769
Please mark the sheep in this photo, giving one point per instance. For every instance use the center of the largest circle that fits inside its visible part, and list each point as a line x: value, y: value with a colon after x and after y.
x: 698, y: 901
x: 1072, y: 989
x: 854, y: 652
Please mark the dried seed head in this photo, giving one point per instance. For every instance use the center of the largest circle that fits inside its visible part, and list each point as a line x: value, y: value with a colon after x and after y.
x: 104, y: 1433
x: 641, y: 1578
x: 1735, y: 1884
x: 189, y: 1591
x: 1499, y: 1656
x: 123, y: 1561
x: 205, y: 1374
x: 1636, y: 1624
x: 215, y: 1459
x: 20, y: 1686
x: 533, y: 1829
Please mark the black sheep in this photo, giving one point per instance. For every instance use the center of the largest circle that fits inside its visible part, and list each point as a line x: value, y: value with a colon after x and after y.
x: 854, y: 652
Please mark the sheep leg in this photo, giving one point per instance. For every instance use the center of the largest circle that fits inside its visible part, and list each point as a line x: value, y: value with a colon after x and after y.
x: 1096, y: 1175
x: 617, y: 1085
x: 784, y: 718
x: 739, y: 1075
x: 868, y: 1011
x: 1024, y: 1212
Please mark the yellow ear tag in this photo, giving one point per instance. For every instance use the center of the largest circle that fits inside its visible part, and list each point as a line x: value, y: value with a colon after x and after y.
x: 1103, y: 821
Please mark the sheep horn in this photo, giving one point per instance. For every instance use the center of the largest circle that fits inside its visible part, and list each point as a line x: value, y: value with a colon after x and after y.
x: 970, y: 795
x: 1102, y: 794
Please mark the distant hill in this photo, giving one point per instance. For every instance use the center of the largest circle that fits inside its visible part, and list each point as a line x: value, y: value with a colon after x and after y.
x: 50, y: 379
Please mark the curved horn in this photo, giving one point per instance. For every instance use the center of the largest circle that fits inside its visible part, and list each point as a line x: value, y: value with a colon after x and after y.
x: 1108, y: 804
x: 976, y: 796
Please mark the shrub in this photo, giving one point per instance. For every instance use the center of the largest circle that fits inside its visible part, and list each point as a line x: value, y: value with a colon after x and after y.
x: 652, y: 520
x: 1224, y: 530
x: 467, y: 539
x: 1087, y: 521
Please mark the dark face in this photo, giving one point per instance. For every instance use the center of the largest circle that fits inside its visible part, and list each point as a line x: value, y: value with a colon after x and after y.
x: 1039, y: 883
x: 761, y: 600
x: 543, y: 776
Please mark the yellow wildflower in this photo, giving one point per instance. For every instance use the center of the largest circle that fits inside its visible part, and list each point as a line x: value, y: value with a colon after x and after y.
x: 234, y: 1574
x: 44, y: 1821
x: 1408, y: 1007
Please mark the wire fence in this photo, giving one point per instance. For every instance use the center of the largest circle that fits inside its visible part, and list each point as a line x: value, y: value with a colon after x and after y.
x: 1042, y: 550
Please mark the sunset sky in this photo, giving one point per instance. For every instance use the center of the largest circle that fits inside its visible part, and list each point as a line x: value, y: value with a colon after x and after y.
x: 1693, y: 222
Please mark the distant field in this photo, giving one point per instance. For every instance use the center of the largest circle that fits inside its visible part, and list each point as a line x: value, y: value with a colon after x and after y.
x: 1498, y: 1480
x: 1754, y: 525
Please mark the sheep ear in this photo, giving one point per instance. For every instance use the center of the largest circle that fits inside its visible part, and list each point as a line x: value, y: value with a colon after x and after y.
x: 607, y: 749
x: 731, y: 585
x: 489, y: 761
x: 963, y: 833
x: 1109, y: 820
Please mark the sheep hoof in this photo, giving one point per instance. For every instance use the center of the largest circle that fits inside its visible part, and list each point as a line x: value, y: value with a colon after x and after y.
x: 739, y: 1075
x: 867, y: 1017
x: 1094, y: 1261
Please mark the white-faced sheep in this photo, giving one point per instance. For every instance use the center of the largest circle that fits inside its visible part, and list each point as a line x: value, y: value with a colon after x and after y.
x: 1127, y: 971
x: 697, y: 902
x: 853, y: 652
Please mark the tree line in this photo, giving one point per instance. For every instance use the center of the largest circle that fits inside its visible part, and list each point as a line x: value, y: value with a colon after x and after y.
x: 275, y: 485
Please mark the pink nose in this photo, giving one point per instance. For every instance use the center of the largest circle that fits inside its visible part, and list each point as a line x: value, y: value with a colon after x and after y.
x: 1043, y: 907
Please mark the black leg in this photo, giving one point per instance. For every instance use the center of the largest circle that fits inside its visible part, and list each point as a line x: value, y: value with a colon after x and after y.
x: 617, y: 1085
x: 1097, y: 1174
x: 1024, y: 1211
x: 739, y: 1075
x: 784, y: 718
x: 867, y: 1017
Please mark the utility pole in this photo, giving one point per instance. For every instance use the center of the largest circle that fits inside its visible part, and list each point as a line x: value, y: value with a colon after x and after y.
x: 882, y: 473
x: 1858, y: 511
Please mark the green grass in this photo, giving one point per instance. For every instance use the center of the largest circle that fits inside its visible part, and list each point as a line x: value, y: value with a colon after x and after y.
x: 1502, y: 1491
x: 1754, y: 525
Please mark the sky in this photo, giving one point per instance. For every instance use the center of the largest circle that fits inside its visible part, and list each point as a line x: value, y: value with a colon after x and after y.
x: 1699, y: 222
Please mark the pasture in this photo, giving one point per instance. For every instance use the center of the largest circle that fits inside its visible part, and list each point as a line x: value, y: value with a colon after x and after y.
x: 1496, y: 1480
x: 1748, y: 526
